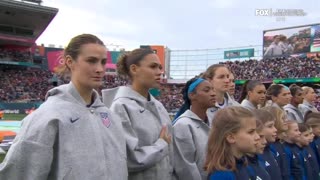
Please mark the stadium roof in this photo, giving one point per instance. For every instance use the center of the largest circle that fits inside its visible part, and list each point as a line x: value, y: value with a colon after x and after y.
x: 23, y: 22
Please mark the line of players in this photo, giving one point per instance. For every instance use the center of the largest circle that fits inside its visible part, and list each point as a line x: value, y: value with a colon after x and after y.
x: 128, y: 134
x: 254, y: 140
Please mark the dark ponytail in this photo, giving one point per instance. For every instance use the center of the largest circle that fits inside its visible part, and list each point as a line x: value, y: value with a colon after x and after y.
x: 128, y: 59
x: 274, y: 90
x: 187, y: 103
x: 244, y: 92
x: 249, y: 85
x: 294, y: 89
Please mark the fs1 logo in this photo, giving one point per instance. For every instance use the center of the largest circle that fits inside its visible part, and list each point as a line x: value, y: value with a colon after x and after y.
x: 263, y: 12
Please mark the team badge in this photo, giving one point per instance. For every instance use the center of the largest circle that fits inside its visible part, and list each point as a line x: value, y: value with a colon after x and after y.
x: 105, y: 119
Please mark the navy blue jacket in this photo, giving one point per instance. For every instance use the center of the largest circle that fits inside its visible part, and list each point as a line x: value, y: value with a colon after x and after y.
x: 278, y: 151
x: 226, y: 175
x: 240, y: 174
x: 270, y: 163
x: 316, y: 148
x: 293, y: 157
x: 256, y: 168
x: 311, y: 166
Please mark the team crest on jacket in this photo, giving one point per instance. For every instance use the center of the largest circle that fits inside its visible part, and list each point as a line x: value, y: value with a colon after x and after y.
x: 105, y: 119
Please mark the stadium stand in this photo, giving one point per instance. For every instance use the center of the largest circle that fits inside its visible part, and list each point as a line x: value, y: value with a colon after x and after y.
x: 112, y: 81
x: 275, y: 68
x: 23, y: 84
x: 31, y: 84
x: 15, y: 55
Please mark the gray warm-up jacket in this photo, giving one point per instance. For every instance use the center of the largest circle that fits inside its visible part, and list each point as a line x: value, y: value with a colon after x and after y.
x: 66, y: 140
x: 248, y: 105
x: 293, y: 113
x: 306, y: 106
x: 190, y: 137
x: 149, y: 156
x: 213, y: 110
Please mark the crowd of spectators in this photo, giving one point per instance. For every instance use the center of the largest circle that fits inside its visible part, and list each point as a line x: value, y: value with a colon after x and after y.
x: 112, y: 81
x: 24, y: 85
x: 275, y: 68
x: 171, y: 96
x: 15, y: 55
x: 31, y: 84
x: 318, y: 103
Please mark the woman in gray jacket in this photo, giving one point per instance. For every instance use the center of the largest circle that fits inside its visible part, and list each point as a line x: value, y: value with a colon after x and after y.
x: 309, y: 99
x: 72, y: 135
x: 292, y: 110
x: 279, y: 94
x: 253, y: 94
x: 145, y: 121
x: 218, y: 75
x: 191, y: 130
